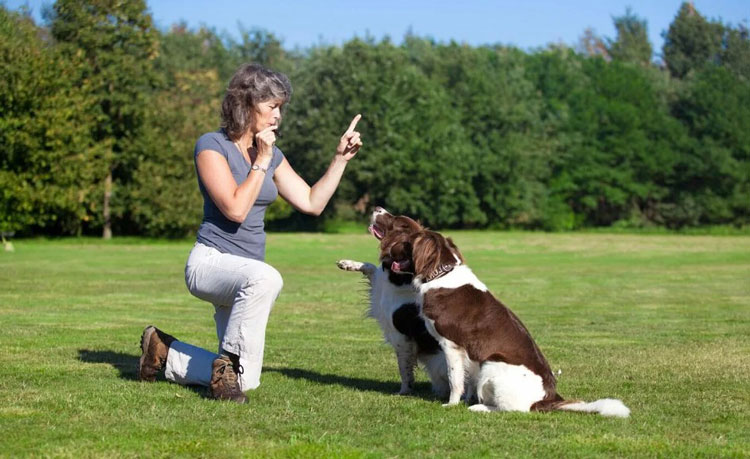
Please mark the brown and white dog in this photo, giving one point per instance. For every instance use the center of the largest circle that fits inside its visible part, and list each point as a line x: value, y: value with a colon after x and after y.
x: 480, y: 336
x: 393, y: 305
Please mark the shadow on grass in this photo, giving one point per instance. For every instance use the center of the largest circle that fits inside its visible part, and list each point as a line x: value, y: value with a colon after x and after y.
x: 126, y: 365
x: 421, y: 389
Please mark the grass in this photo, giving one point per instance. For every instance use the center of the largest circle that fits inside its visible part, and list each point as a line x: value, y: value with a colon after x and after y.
x: 660, y: 321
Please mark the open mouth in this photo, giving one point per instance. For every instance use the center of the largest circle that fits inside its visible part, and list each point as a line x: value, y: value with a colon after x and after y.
x: 375, y: 231
x: 400, y: 266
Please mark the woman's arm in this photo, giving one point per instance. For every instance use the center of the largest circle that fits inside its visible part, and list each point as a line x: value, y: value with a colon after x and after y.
x: 300, y: 195
x: 312, y: 200
x: 233, y: 201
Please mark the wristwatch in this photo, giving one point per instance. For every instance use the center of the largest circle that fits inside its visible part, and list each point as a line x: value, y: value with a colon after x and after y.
x: 256, y: 167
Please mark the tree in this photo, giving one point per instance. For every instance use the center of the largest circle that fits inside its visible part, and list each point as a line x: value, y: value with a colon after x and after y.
x: 118, y: 44
x: 559, y: 78
x: 692, y: 42
x: 259, y: 46
x: 615, y: 141
x: 631, y: 44
x: 49, y: 163
x: 592, y: 45
x: 715, y: 173
x: 416, y: 158
x: 506, y: 143
x: 99, y: 114
x: 736, y: 53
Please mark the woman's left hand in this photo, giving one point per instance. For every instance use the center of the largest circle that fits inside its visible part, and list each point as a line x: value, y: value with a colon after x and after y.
x: 350, y: 142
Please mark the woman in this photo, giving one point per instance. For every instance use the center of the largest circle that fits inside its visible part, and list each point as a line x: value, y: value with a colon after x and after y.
x: 240, y: 172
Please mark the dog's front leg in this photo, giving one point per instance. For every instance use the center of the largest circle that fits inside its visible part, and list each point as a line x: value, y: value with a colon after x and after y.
x: 472, y: 379
x: 454, y: 358
x: 368, y: 269
x: 406, y: 354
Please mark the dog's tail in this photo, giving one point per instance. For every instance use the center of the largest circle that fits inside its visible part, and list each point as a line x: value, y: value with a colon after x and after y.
x: 605, y: 406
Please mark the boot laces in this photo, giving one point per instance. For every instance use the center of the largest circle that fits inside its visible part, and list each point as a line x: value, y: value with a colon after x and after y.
x: 231, y: 376
x: 235, y: 360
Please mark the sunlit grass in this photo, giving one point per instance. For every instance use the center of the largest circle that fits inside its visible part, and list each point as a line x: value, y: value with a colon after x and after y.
x: 660, y: 321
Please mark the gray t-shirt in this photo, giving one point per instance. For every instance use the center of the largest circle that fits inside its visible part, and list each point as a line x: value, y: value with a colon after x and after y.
x: 246, y: 239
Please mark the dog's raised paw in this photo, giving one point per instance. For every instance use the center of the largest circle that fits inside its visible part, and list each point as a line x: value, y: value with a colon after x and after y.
x: 349, y: 265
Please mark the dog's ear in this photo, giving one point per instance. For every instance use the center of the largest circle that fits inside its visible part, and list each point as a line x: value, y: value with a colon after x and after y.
x: 425, y: 253
x: 400, y: 223
x: 406, y: 224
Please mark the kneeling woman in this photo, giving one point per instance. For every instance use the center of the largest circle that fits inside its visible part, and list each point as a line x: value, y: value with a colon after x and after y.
x: 240, y: 173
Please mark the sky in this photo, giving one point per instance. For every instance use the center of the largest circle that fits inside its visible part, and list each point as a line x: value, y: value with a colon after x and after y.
x: 527, y: 24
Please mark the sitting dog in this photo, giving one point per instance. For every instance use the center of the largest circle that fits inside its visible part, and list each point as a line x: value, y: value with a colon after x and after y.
x: 480, y: 335
x: 393, y: 305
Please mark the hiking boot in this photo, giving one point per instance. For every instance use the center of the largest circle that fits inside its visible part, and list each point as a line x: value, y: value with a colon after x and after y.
x: 225, y: 384
x: 154, y: 347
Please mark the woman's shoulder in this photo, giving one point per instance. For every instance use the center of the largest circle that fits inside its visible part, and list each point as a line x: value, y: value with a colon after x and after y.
x: 214, y: 140
x: 217, y: 136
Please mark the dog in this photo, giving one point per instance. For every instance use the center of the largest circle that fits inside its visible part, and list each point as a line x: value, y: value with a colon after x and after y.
x: 483, y: 340
x: 393, y: 305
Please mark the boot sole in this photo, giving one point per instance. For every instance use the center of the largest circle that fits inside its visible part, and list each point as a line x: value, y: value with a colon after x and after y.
x: 148, y: 332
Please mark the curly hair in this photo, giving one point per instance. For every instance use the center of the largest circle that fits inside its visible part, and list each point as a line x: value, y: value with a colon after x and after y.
x: 250, y: 85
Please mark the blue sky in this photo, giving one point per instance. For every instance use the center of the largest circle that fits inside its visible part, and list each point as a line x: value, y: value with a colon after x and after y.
x: 526, y: 24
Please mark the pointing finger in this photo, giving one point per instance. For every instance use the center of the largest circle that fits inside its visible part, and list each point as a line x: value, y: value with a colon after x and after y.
x: 353, y: 124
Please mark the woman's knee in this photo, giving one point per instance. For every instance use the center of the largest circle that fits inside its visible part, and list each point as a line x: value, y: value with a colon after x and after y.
x: 273, y: 280
x: 267, y: 282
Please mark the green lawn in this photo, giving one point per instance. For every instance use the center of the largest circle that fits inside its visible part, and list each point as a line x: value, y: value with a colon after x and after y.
x: 659, y: 321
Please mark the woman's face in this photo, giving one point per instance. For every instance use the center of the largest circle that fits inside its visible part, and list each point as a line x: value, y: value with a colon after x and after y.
x: 267, y: 114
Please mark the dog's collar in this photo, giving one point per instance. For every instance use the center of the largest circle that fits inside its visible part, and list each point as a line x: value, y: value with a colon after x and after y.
x: 439, y: 272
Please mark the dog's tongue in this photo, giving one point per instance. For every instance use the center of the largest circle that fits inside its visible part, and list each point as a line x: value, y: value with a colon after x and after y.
x: 396, y: 267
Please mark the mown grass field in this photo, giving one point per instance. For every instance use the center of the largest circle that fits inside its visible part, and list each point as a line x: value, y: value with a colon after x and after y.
x: 659, y: 321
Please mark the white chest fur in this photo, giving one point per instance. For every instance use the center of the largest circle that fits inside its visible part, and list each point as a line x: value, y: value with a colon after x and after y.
x: 386, y: 298
x: 460, y: 276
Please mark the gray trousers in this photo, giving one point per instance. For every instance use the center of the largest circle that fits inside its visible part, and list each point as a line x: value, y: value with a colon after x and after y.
x: 243, y: 292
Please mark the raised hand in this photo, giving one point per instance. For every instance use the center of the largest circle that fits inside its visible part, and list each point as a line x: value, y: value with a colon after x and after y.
x: 264, y: 141
x: 350, y: 142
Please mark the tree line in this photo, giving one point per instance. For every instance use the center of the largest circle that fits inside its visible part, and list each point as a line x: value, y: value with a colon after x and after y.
x: 99, y: 112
